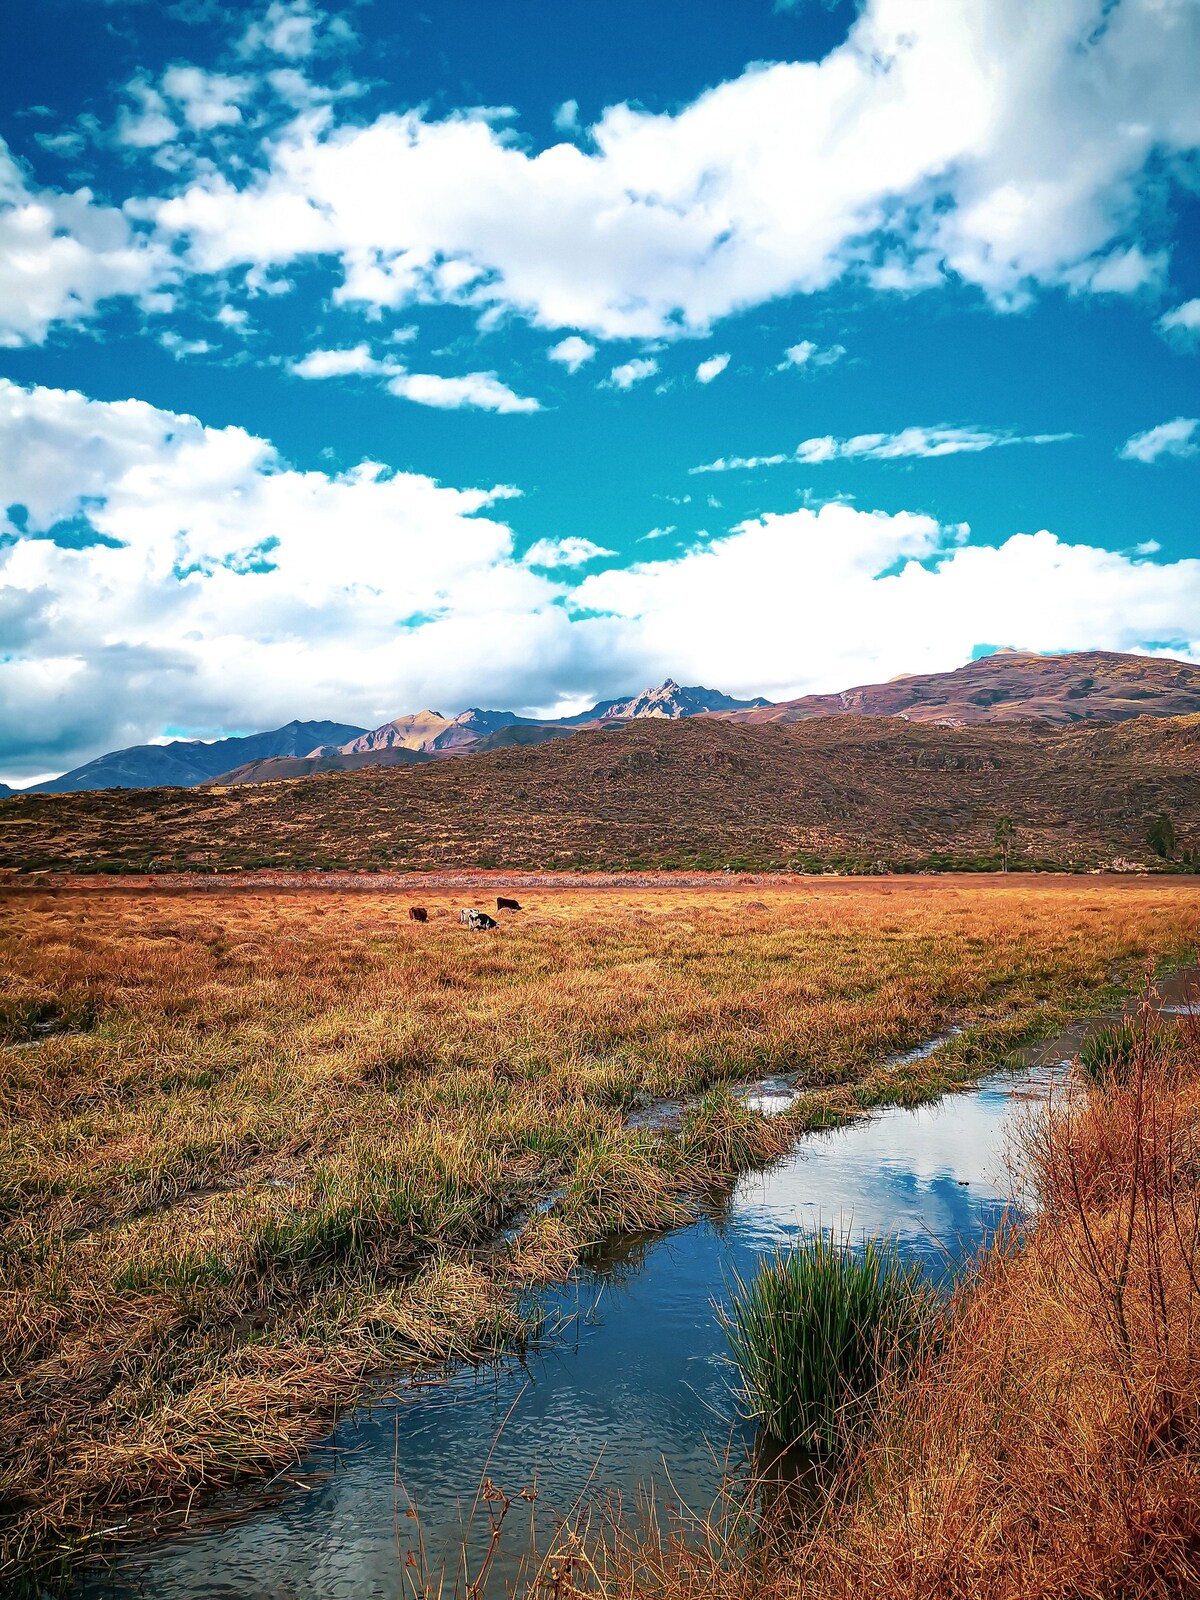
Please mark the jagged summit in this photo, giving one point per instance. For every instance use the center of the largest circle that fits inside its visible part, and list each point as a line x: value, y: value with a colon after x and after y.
x: 669, y: 699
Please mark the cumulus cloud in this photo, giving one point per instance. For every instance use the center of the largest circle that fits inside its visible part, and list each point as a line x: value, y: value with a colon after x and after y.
x: 808, y: 354
x: 61, y: 255
x: 712, y: 368
x: 572, y: 352
x: 880, y: 594
x: 631, y: 372
x: 223, y: 588
x: 158, y: 572
x: 569, y: 552
x: 1183, y: 321
x: 929, y: 144
x: 923, y: 442
x: 1177, y: 438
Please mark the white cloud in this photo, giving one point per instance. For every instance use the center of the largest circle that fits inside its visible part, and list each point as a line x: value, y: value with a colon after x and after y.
x: 880, y: 595
x: 232, y: 317
x: 67, y: 143
x: 481, y: 391
x: 572, y: 352
x: 1183, y: 321
x: 291, y: 85
x: 712, y: 368
x: 150, y: 125
x: 286, y: 29
x: 179, y: 347
x: 1177, y: 438
x: 61, y: 255
x: 208, y: 99
x: 566, y: 117
x: 922, y: 442
x: 229, y: 589
x: 570, y: 552
x: 631, y: 372
x: 235, y: 591
x: 337, y: 363
x: 1018, y: 147
x: 742, y: 463
x: 808, y: 354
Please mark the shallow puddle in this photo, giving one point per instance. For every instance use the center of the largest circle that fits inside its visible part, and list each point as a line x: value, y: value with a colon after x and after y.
x: 635, y: 1381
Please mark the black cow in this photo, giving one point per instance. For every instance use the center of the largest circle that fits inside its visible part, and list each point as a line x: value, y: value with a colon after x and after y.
x: 477, y: 921
x: 507, y: 905
x: 418, y: 913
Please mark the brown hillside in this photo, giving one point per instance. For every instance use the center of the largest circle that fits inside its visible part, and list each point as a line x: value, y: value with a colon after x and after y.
x: 696, y: 792
x: 276, y: 769
x: 1088, y: 685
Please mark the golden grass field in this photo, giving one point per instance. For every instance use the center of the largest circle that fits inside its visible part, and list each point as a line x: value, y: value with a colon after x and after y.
x: 257, y: 1146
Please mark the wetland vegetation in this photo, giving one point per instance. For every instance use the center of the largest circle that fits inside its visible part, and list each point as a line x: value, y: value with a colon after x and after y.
x: 1047, y: 1440
x: 260, y: 1147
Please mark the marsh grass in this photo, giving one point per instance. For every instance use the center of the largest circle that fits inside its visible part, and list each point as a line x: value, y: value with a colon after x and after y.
x: 275, y: 1152
x: 815, y: 1330
x: 1047, y: 1441
x: 1112, y: 1052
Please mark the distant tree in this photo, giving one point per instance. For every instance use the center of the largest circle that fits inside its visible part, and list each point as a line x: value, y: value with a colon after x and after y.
x: 1160, y: 836
x: 1006, y: 834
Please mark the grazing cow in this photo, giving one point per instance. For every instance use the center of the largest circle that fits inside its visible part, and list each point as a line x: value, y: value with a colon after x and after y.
x: 507, y: 905
x: 477, y: 921
x: 418, y: 913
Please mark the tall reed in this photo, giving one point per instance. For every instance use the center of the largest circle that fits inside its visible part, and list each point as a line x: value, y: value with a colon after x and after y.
x: 816, y: 1329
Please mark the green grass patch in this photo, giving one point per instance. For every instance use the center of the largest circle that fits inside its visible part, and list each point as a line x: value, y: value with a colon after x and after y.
x: 816, y: 1329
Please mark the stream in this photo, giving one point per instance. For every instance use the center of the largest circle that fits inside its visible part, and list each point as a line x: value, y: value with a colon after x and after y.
x: 632, y: 1375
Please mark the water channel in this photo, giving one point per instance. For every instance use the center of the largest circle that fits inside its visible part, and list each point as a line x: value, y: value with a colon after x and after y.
x: 631, y: 1386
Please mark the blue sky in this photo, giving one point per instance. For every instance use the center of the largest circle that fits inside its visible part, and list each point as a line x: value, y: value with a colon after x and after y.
x: 357, y: 358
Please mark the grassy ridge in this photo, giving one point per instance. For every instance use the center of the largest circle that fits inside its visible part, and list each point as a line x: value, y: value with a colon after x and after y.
x: 848, y: 792
x: 268, y: 1150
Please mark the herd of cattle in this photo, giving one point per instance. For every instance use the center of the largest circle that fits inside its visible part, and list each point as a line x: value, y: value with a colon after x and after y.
x: 477, y: 921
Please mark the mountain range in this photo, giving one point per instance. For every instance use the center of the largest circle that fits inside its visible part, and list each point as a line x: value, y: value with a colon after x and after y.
x: 186, y: 763
x: 1006, y: 686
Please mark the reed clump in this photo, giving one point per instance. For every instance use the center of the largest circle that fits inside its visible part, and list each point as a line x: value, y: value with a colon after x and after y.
x: 815, y: 1331
x: 1112, y: 1052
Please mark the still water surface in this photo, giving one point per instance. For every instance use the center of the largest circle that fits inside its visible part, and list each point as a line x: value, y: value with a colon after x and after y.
x: 636, y: 1375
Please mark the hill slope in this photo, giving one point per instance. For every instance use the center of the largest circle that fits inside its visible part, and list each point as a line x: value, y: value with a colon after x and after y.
x: 1008, y: 686
x: 694, y: 792
x: 186, y: 762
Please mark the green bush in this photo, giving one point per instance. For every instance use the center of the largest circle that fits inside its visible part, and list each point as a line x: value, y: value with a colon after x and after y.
x: 816, y: 1330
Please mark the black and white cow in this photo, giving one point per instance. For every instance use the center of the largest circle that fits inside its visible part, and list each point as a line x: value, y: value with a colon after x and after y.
x: 477, y: 921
